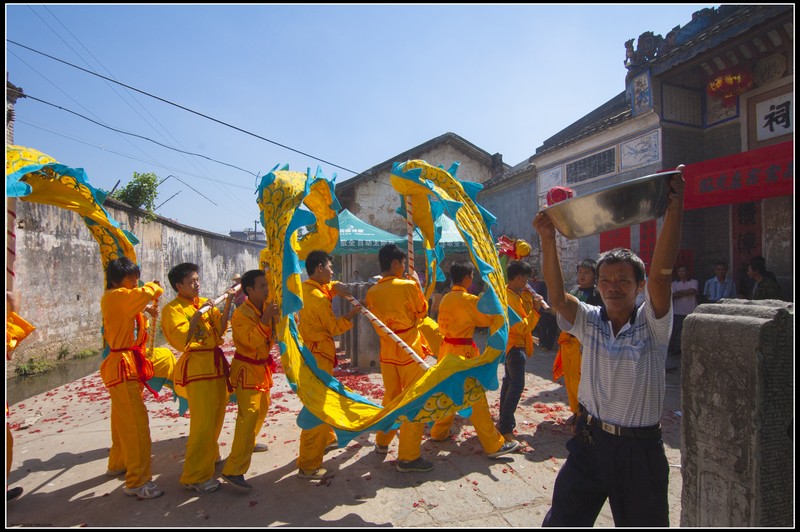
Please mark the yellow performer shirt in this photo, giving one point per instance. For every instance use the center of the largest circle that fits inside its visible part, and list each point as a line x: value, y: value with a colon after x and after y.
x: 520, y: 334
x: 253, y: 341
x: 318, y: 324
x: 198, y: 361
x: 458, y: 317
x: 17, y: 329
x: 124, y: 327
x: 399, y: 304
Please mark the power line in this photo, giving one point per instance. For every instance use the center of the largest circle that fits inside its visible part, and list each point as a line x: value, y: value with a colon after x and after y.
x: 183, y: 107
x: 34, y: 98
x: 127, y: 155
x: 195, y: 163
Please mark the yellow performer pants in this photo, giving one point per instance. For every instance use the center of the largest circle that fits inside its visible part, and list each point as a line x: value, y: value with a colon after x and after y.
x: 490, y: 438
x: 314, y: 441
x: 163, y: 362
x: 253, y: 406
x: 395, y: 380
x: 571, y: 357
x: 207, y: 400
x: 9, y: 451
x: 130, y: 433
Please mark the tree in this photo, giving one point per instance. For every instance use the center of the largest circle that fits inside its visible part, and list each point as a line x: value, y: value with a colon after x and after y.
x: 140, y: 193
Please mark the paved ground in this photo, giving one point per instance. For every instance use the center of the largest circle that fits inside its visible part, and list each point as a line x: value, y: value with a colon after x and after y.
x: 62, y: 439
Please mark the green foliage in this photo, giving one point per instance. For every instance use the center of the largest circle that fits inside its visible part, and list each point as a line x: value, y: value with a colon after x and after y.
x: 140, y: 193
x: 63, y: 352
x: 86, y: 353
x: 33, y: 366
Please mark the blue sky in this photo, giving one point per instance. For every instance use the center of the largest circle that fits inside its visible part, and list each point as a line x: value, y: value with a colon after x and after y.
x: 351, y: 85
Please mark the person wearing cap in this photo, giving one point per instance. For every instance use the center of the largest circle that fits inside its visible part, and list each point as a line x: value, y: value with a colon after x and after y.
x: 617, y: 453
x: 240, y: 297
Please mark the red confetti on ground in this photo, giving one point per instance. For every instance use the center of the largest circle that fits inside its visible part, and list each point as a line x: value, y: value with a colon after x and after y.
x: 361, y: 384
x: 545, y: 409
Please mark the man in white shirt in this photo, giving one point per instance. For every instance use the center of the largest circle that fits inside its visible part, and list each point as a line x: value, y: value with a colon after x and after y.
x: 617, y: 452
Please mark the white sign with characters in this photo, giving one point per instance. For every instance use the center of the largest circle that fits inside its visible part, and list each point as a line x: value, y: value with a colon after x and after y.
x: 774, y: 117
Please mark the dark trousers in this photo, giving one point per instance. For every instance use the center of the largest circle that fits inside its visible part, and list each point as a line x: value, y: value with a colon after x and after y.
x: 511, y: 390
x: 547, y: 330
x: 632, y: 473
x: 677, y: 330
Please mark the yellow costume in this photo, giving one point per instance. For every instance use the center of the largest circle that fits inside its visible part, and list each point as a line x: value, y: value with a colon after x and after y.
x: 202, y: 369
x: 521, y: 333
x: 252, y: 379
x: 569, y: 351
x: 458, y: 317
x: 16, y: 331
x: 318, y: 325
x: 569, y: 356
x: 399, y: 304
x: 125, y: 372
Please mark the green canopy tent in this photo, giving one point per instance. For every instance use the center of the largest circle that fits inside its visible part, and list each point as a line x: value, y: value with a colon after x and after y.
x: 358, y: 237
x: 451, y: 240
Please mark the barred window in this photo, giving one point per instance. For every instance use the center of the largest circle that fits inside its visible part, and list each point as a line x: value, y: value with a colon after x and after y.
x: 595, y: 165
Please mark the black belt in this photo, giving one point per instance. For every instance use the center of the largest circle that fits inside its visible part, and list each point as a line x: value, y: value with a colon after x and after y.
x: 653, y: 431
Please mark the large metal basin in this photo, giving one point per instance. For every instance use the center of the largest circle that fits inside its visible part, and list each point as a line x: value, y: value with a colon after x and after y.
x: 613, y: 207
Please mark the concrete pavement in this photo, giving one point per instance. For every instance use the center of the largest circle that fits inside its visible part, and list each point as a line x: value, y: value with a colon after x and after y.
x: 62, y: 439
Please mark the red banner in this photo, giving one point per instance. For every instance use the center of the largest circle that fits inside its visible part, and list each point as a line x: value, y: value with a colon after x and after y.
x: 749, y: 176
x: 618, y: 238
x: 647, y: 242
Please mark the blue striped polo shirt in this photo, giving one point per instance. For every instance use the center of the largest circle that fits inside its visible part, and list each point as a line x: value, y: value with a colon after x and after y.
x: 622, y: 377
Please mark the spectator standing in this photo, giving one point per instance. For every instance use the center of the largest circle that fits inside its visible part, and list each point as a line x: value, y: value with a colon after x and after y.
x: 719, y: 286
x: 684, y: 301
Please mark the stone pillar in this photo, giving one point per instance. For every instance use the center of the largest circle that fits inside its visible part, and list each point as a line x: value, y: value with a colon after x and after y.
x: 736, y: 432
x: 361, y: 342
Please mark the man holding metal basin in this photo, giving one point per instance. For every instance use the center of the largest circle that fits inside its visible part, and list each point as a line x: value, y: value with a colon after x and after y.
x: 617, y: 452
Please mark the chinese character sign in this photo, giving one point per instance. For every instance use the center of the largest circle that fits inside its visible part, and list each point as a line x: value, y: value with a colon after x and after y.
x: 775, y: 117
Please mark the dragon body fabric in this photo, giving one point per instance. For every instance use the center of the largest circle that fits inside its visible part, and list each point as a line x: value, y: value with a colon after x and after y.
x: 292, y: 200
x: 38, y: 178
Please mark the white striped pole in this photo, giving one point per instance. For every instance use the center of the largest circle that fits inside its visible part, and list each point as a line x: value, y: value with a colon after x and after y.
x: 410, y: 229
x: 153, y: 325
x: 208, y: 305
x: 390, y: 333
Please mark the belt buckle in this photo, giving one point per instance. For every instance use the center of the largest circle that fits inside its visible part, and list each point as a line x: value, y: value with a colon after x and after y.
x: 608, y: 427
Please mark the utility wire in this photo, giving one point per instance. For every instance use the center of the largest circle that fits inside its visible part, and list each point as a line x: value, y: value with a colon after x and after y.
x: 197, y: 164
x: 127, y: 155
x: 183, y: 107
x: 191, y: 161
x: 127, y: 132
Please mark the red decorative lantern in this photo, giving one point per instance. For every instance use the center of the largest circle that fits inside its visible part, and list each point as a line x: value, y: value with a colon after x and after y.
x: 729, y: 84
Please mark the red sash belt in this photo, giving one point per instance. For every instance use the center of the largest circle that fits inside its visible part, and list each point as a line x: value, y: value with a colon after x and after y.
x: 219, y: 361
x: 269, y: 362
x: 401, y: 331
x: 144, y: 367
x: 460, y: 341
